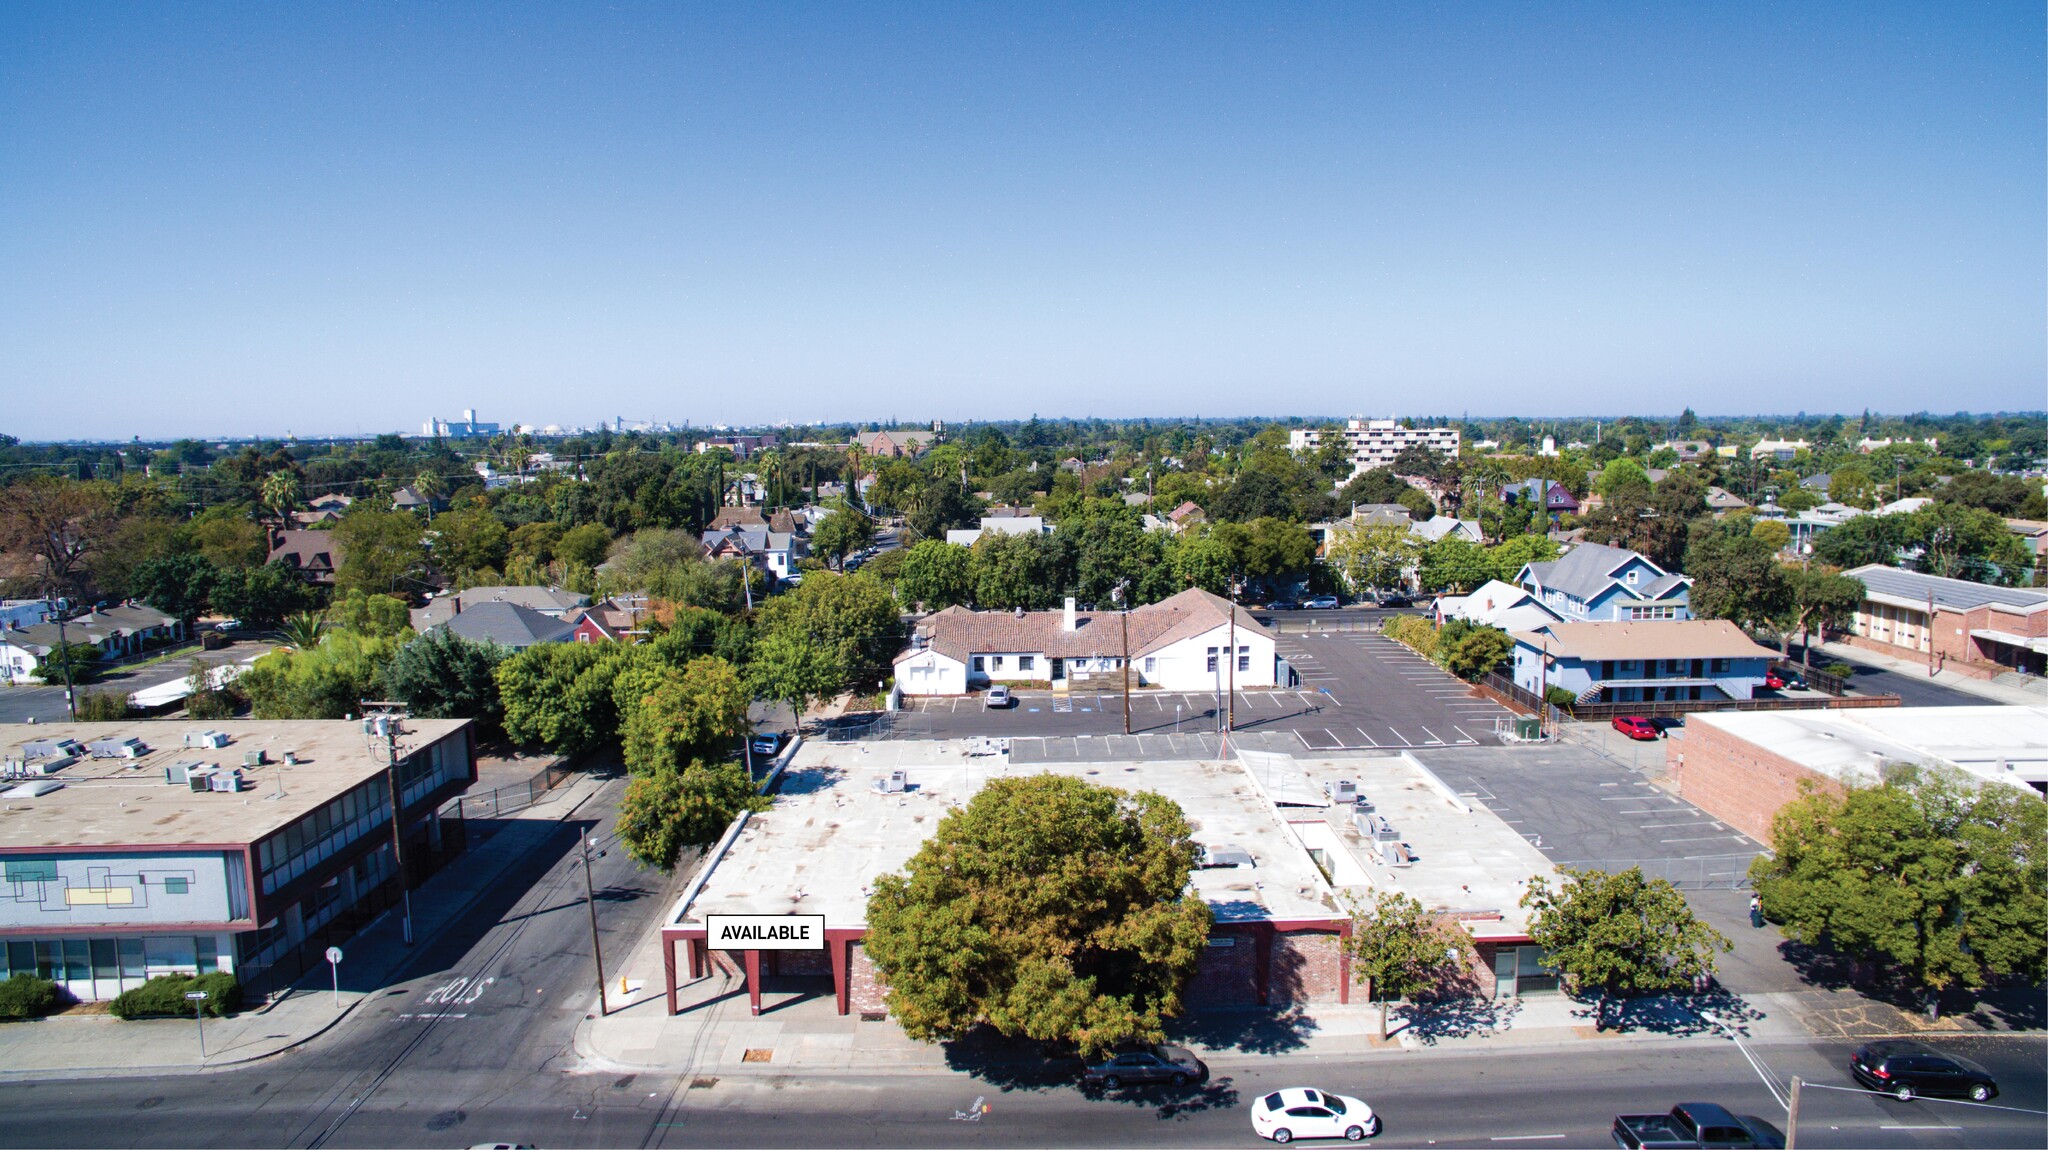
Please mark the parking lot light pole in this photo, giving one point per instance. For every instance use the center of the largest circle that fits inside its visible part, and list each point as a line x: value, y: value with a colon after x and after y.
x: 1124, y: 619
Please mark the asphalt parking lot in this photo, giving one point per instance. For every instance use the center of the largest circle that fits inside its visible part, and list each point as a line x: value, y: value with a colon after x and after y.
x: 1358, y: 692
x: 1578, y: 807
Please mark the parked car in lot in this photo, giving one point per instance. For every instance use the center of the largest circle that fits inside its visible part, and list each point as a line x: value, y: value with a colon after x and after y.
x: 1300, y: 1112
x: 1906, y: 1070
x: 767, y: 743
x: 1784, y: 680
x: 1636, y: 727
x: 998, y: 697
x: 1175, y: 1065
x: 1322, y: 603
x: 1689, y: 1126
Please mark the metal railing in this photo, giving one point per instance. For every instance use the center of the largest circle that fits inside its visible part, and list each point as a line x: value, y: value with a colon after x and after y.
x: 512, y: 797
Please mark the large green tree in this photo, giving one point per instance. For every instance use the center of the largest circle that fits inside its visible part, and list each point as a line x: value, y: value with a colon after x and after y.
x: 855, y: 615
x: 673, y: 718
x: 790, y: 668
x: 381, y: 551
x: 441, y: 675
x: 1934, y: 874
x: 666, y: 811
x: 1048, y: 907
x: 936, y: 575
x: 1819, y: 599
x: 1610, y: 934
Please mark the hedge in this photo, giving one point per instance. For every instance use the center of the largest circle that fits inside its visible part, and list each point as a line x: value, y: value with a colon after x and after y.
x: 1412, y: 631
x: 26, y: 996
x: 165, y: 995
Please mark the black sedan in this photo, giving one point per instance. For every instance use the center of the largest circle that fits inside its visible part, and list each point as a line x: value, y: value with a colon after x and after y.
x: 1906, y: 1070
x: 1171, y: 1064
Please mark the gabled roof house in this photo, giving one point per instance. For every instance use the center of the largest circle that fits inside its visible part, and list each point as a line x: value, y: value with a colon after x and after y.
x: 1594, y: 582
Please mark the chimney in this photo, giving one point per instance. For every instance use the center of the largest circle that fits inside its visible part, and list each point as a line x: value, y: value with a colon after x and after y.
x: 458, y: 603
x: 1067, y: 620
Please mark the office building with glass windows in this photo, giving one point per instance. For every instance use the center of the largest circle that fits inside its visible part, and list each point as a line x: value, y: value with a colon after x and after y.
x: 130, y: 850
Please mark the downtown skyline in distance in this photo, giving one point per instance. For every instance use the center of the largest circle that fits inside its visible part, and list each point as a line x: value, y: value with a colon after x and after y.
x: 239, y: 220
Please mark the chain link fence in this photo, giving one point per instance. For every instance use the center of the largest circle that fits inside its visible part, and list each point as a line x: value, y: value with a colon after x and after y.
x: 513, y: 797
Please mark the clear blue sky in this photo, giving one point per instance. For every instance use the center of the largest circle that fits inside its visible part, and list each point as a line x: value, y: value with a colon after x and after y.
x: 227, y: 219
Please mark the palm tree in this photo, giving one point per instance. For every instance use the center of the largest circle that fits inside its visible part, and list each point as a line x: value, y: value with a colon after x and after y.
x: 280, y: 492
x: 1486, y: 477
x: 429, y: 487
x: 304, y: 630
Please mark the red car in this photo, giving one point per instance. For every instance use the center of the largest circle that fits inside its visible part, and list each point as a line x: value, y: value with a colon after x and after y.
x: 1774, y: 681
x: 1636, y: 727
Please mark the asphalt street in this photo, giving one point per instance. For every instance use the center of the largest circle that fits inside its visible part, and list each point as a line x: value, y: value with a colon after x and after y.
x: 1912, y: 690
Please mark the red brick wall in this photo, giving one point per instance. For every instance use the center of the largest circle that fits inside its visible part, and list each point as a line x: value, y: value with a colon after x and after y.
x: 1735, y: 780
x: 865, y: 986
x: 1303, y: 967
x: 1224, y: 977
x: 1306, y: 968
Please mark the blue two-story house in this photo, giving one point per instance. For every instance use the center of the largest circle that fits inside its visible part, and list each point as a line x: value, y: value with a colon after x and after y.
x: 1663, y: 661
x: 1596, y: 583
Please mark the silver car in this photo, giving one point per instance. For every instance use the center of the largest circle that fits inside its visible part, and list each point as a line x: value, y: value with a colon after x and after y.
x: 1175, y: 1065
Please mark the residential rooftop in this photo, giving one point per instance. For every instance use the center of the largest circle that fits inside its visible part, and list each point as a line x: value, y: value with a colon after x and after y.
x: 1647, y: 639
x: 128, y: 802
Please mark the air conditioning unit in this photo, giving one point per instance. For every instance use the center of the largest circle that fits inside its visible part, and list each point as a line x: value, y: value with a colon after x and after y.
x: 200, y: 777
x: 894, y: 783
x: 226, y: 781
x: 178, y: 774
x: 291, y: 758
x: 1387, y: 833
x: 209, y: 740
x: 118, y: 749
x: 1341, y: 791
x: 255, y: 758
x: 1394, y: 854
x: 51, y: 748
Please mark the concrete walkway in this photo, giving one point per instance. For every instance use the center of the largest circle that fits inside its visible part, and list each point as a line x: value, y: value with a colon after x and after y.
x: 801, y: 1032
x: 89, y: 1045
x: 1988, y: 691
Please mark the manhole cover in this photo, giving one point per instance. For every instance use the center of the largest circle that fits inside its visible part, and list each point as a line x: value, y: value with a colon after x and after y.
x: 758, y: 1056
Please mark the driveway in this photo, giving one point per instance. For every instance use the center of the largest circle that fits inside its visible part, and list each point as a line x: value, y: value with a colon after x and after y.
x: 21, y: 703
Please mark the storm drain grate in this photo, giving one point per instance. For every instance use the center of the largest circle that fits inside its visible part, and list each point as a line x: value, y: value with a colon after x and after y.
x: 765, y: 1055
x: 874, y: 1016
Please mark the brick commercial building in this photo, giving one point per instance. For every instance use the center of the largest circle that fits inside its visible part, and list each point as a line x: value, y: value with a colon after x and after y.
x: 1741, y: 768
x: 142, y: 848
x: 1976, y: 629
x: 1281, y: 859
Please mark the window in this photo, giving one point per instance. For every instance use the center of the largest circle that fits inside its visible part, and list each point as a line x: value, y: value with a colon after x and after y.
x: 1212, y: 660
x: 1244, y: 661
x: 1721, y: 666
x: 1150, y: 663
x: 1632, y: 578
x: 132, y: 964
x: 77, y: 959
x: 999, y: 662
x: 31, y: 870
x: 1674, y: 666
x: 209, y: 953
x: 106, y: 958
x: 177, y: 886
x: 1027, y: 662
x: 977, y: 665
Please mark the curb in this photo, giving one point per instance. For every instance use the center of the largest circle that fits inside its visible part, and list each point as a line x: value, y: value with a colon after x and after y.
x: 155, y: 1070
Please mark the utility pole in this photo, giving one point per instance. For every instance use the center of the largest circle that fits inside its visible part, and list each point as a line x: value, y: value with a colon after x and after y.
x: 1230, y: 719
x: 1792, y: 1116
x: 1930, y: 634
x: 64, y: 656
x: 1124, y: 620
x: 590, y: 900
x: 383, y: 731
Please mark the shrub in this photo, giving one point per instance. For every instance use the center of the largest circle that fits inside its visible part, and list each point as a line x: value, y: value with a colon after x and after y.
x: 26, y: 996
x: 1414, y: 632
x: 165, y: 995
x: 1840, y: 670
x: 103, y: 706
x: 1559, y: 697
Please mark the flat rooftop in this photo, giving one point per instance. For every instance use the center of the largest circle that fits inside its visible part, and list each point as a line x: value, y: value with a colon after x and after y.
x: 1464, y: 862
x: 126, y: 802
x: 2005, y: 743
x: 830, y: 834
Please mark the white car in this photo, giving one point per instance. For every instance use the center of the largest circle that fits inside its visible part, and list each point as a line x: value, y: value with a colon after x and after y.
x: 1299, y: 1112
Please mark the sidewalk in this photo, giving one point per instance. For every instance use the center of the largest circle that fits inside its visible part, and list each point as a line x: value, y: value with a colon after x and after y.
x: 1988, y: 691
x: 802, y: 1033
x: 96, y: 1045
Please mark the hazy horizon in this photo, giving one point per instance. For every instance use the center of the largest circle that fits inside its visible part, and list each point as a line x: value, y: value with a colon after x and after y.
x: 238, y: 219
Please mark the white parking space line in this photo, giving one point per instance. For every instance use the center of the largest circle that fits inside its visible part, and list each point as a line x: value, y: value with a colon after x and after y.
x: 1467, y: 734
x: 1700, y: 839
x: 1431, y: 734
x: 1665, y: 826
x: 1397, y: 734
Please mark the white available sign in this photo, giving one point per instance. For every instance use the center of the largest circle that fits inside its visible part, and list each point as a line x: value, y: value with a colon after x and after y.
x: 765, y: 931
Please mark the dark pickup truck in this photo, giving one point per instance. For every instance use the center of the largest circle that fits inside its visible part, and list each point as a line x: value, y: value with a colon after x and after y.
x: 1689, y: 1126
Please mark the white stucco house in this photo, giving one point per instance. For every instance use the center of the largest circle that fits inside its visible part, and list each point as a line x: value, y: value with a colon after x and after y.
x: 1179, y: 644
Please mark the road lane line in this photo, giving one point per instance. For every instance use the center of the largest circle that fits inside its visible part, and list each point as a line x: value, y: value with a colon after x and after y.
x: 1526, y: 1138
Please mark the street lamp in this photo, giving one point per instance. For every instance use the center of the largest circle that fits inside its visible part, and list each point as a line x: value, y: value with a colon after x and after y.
x: 382, y: 732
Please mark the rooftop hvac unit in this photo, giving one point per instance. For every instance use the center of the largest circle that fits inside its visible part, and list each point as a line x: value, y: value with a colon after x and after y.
x: 894, y: 783
x: 51, y: 748
x: 49, y: 766
x: 118, y: 749
x: 199, y: 776
x: 228, y: 781
x: 1386, y: 832
x: 179, y: 773
x: 209, y: 740
x: 255, y: 758
x: 1341, y: 791
x: 1394, y: 854
x: 1362, y: 820
x: 291, y: 758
